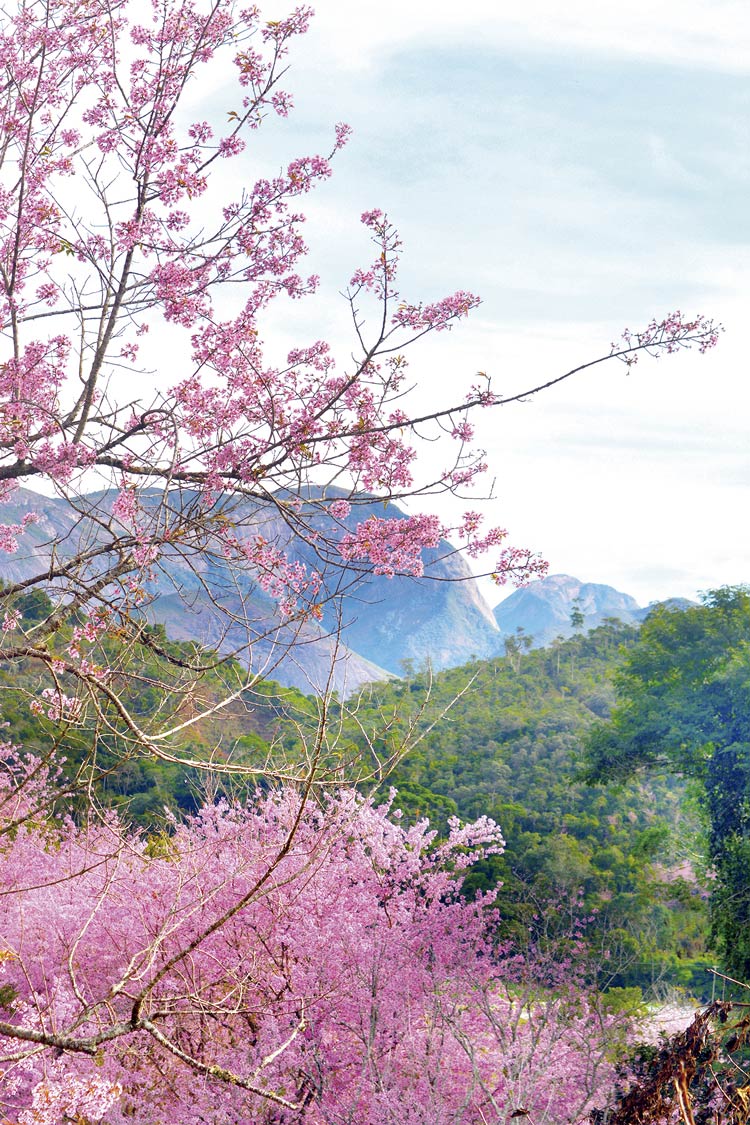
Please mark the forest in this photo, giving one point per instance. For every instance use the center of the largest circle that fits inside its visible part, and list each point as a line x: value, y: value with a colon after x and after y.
x: 447, y: 899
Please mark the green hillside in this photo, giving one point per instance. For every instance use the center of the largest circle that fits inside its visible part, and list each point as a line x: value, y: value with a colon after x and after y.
x: 503, y: 738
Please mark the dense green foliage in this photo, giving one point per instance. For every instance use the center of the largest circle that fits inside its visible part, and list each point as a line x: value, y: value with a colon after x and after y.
x: 504, y: 738
x: 684, y: 706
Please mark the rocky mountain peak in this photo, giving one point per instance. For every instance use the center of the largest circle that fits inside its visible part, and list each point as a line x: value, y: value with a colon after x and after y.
x: 543, y: 609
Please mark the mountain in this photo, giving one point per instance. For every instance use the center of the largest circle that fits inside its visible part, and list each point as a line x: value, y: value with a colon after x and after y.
x: 381, y: 625
x: 543, y: 608
x: 442, y: 619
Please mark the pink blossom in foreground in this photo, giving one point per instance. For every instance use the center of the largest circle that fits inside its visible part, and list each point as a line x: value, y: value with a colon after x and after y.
x: 232, y: 972
x: 392, y: 546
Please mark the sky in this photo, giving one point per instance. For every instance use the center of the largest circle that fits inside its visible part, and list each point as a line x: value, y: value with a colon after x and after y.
x: 584, y: 167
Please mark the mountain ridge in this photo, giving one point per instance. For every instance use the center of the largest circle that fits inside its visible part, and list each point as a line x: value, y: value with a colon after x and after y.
x: 385, y: 626
x: 547, y: 608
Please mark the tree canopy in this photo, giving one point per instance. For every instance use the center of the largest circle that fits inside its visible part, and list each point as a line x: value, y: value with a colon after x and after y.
x: 684, y: 707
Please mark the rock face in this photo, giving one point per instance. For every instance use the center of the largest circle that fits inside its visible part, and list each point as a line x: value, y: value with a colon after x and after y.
x: 441, y: 618
x: 304, y: 657
x: 543, y: 609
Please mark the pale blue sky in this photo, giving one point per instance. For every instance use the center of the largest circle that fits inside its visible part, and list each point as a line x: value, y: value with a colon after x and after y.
x: 583, y: 168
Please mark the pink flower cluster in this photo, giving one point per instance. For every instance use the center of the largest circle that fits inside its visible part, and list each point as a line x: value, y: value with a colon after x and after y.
x: 72, y: 1099
x: 520, y: 565
x: 9, y: 532
x: 60, y: 460
x: 11, y: 621
x: 58, y: 707
x: 286, y: 580
x: 340, y: 509
x: 437, y: 316
x: 392, y: 546
x: 668, y: 336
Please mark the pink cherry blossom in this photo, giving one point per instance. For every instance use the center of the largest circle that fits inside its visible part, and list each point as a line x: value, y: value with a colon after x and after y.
x: 279, y: 955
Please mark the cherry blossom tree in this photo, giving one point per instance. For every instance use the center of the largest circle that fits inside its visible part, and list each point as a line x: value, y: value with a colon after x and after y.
x: 135, y: 383
x: 274, y: 961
